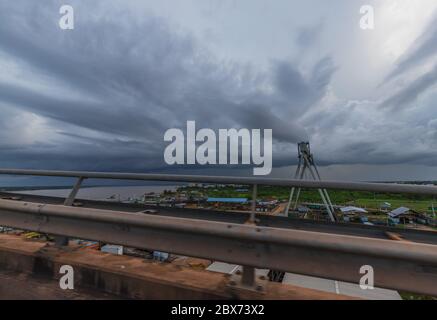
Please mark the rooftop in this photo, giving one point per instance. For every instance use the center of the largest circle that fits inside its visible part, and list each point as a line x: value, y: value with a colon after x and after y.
x: 228, y: 200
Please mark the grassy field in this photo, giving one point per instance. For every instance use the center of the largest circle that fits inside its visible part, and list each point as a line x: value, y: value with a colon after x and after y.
x: 417, y: 205
x: 367, y: 200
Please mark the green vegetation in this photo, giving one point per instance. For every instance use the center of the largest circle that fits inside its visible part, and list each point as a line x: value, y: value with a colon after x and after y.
x: 417, y: 205
x: 413, y: 296
x: 366, y: 200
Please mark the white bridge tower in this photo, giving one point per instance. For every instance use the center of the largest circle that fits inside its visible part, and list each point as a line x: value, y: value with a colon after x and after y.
x: 306, y: 162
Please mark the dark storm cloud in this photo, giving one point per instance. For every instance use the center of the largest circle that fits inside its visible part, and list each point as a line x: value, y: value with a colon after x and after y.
x: 128, y: 79
x: 302, y: 92
x: 377, y: 155
x: 99, y: 116
x: 101, y: 97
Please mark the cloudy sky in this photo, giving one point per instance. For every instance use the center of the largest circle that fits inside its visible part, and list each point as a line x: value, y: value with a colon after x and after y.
x: 100, y: 97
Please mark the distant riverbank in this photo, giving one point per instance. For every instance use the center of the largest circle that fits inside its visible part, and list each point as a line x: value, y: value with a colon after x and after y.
x: 102, y: 193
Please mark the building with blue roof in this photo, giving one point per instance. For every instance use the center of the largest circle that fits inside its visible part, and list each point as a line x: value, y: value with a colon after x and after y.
x: 228, y: 200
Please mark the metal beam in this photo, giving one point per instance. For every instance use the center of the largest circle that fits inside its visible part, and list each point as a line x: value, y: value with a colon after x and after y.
x: 397, y: 265
x: 61, y: 241
x: 72, y: 196
x: 352, y: 229
x: 339, y: 185
x: 252, y: 218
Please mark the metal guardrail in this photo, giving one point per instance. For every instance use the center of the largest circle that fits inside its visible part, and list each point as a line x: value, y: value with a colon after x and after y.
x: 338, y: 185
x: 398, y: 265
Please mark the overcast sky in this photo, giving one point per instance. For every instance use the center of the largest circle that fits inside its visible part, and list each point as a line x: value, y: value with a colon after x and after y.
x: 101, y: 96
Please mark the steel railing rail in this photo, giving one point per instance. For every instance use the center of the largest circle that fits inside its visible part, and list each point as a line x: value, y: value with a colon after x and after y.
x: 274, y: 221
x: 308, y: 239
x: 339, y: 185
x: 397, y: 265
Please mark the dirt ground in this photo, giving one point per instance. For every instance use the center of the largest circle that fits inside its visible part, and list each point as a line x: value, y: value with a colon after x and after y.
x: 15, y: 286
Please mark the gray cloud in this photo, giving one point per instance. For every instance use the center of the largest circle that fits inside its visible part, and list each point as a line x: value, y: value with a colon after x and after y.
x: 423, y: 48
x: 410, y: 93
x: 101, y: 97
x: 119, y: 81
x: 309, y: 35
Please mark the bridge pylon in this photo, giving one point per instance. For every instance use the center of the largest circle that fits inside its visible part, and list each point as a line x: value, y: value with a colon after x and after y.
x: 306, y: 162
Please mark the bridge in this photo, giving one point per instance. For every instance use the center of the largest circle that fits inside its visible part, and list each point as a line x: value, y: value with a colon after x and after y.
x: 406, y: 262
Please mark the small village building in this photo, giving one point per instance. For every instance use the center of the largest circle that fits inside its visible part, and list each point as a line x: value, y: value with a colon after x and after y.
x: 404, y: 215
x: 302, y: 211
x: 385, y: 206
x: 227, y: 200
x: 229, y: 203
x: 351, y: 212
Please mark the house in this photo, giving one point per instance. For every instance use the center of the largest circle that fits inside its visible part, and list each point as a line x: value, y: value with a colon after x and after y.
x: 228, y: 200
x: 303, y: 210
x: 228, y: 203
x: 385, y: 206
x: 351, y: 212
x: 405, y: 215
x: 394, y: 217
